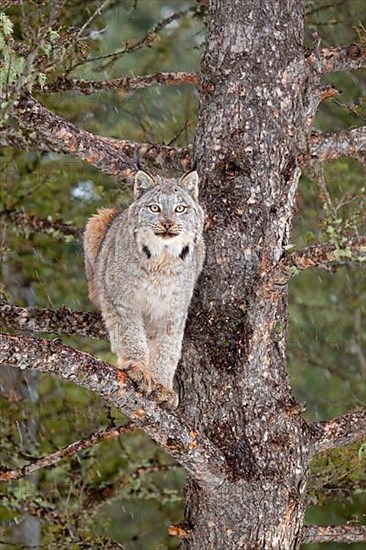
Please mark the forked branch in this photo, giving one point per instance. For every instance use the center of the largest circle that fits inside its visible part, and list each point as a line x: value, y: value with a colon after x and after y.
x: 314, y: 256
x: 193, y: 451
x: 148, y: 40
x: 327, y: 60
x: 346, y: 429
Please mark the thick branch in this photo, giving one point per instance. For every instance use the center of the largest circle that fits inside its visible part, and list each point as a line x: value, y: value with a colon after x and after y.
x: 194, y: 452
x: 110, y: 156
x: 56, y: 228
x: 62, y: 321
x: 332, y: 145
x: 125, y: 84
x: 343, y: 58
x: 57, y: 134
x: 316, y: 255
x: 160, y: 156
x: 346, y: 534
x: 69, y: 450
x: 346, y: 429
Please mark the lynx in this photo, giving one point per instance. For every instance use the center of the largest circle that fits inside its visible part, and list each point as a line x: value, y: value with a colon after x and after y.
x: 142, y: 265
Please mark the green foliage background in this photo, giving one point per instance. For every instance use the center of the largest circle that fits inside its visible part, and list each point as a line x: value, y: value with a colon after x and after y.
x: 97, y: 499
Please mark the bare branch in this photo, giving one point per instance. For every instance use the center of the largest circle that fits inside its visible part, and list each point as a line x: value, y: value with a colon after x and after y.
x: 152, y: 469
x: 124, y: 85
x: 194, y: 452
x: 69, y: 450
x: 330, y: 493
x: 96, y: 495
x: 326, y: 60
x: 58, y: 229
x: 316, y: 255
x: 346, y: 429
x: 316, y: 9
x: 347, y: 534
x: 148, y: 40
x: 315, y: 94
x: 327, y: 91
x: 331, y: 145
x: 62, y: 321
x: 343, y: 58
x: 95, y: 14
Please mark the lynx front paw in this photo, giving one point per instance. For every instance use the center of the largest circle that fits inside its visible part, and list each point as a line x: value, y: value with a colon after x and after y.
x: 141, y: 377
x: 168, y: 399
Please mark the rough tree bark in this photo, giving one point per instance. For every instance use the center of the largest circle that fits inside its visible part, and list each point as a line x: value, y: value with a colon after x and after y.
x: 233, y: 381
x: 238, y: 432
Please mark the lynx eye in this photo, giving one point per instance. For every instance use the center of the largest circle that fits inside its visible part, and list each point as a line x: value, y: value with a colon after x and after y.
x: 154, y: 208
x: 180, y: 208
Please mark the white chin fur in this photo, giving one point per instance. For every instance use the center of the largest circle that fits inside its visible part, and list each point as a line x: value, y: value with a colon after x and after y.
x: 158, y: 246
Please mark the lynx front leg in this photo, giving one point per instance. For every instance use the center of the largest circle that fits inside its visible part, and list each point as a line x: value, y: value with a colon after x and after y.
x: 129, y: 343
x: 165, y: 349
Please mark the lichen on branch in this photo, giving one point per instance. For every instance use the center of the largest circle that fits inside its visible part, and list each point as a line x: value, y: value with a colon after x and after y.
x: 198, y: 456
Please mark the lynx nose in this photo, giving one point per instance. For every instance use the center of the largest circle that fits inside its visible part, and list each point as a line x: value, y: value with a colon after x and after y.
x: 167, y: 224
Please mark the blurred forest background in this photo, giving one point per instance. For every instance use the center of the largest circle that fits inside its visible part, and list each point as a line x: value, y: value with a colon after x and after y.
x: 125, y: 493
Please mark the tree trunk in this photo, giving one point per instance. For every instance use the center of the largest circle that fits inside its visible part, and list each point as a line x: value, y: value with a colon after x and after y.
x: 233, y: 381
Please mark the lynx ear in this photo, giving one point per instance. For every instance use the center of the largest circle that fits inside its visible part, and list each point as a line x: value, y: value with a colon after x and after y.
x: 189, y: 182
x: 143, y: 182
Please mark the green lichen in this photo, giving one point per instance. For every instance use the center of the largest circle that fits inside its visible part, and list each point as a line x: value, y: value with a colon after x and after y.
x: 278, y: 327
x: 347, y: 253
x: 54, y: 36
x: 42, y: 79
x: 13, y: 65
x: 342, y: 253
x: 6, y: 26
x: 47, y: 49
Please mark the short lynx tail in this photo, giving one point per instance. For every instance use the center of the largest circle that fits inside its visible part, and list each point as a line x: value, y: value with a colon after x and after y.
x: 95, y: 230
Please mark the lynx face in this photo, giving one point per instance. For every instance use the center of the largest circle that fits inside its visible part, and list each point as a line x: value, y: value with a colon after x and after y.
x: 169, y: 217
